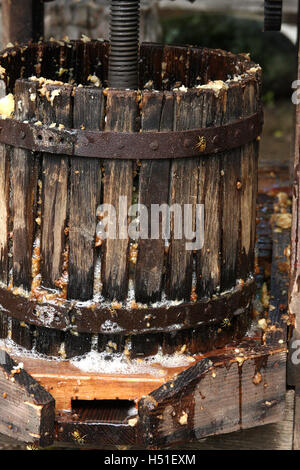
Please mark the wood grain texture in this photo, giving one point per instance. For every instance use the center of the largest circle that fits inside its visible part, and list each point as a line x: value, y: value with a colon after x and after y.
x: 231, y: 206
x: 198, y: 403
x: 85, y: 187
x: 157, y: 114
x: 121, y: 114
x: 55, y: 170
x: 249, y: 180
x: 208, y: 259
x: 4, y: 203
x: 26, y: 409
x: 24, y: 191
x: 294, y: 288
x: 183, y: 190
x: 278, y: 307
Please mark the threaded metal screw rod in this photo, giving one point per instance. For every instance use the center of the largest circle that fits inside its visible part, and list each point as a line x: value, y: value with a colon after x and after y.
x: 273, y: 15
x: 124, y: 38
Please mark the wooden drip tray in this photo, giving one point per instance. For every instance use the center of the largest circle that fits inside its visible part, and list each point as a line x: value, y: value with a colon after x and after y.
x: 234, y: 388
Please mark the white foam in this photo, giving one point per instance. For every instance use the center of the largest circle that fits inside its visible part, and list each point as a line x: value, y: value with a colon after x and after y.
x: 18, y: 351
x: 119, y: 364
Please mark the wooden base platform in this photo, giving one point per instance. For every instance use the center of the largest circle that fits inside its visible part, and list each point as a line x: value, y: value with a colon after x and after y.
x: 234, y: 388
x: 240, y: 386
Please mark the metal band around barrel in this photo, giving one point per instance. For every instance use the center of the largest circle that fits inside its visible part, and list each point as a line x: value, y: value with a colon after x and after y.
x: 132, y: 146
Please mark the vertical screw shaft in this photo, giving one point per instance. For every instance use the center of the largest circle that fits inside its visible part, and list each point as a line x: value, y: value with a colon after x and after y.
x: 124, y: 38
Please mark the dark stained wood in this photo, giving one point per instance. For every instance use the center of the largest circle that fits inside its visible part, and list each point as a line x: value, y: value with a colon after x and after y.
x: 275, y: 436
x: 249, y: 178
x: 103, y: 422
x: 85, y: 187
x: 4, y: 325
x: 49, y: 342
x: 198, y: 59
x: 157, y: 114
x: 121, y: 114
x: 208, y: 260
x: 278, y: 309
x: 248, y: 209
x: 26, y: 409
x: 231, y: 206
x: 296, y: 433
x: 4, y: 204
x: 183, y: 190
x: 174, y: 67
x: 24, y: 191
x: 22, y: 334
x: 22, y: 24
x: 150, y: 66
x: 195, y: 404
x: 55, y: 188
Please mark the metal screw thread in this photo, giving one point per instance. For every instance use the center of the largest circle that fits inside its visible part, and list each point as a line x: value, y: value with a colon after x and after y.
x: 273, y: 15
x: 124, y: 38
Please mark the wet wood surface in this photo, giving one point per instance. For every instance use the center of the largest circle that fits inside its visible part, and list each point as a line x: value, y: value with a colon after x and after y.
x: 117, y: 187
x: 26, y: 409
x: 85, y: 184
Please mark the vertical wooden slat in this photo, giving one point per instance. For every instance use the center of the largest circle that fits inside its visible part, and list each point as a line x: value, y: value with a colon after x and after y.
x: 22, y: 334
x: 175, y: 67
x: 24, y: 190
x: 208, y: 260
x: 150, y: 64
x: 24, y: 169
x: 198, y: 66
x: 3, y: 325
x: 231, y: 176
x: 4, y: 204
x: 85, y: 186
x: 50, y: 342
x: 157, y: 114
x: 183, y: 190
x: 55, y: 188
x: 249, y: 159
x: 120, y: 116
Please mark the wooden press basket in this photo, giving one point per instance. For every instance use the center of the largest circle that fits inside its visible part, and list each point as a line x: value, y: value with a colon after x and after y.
x: 173, y: 141
x: 188, y: 135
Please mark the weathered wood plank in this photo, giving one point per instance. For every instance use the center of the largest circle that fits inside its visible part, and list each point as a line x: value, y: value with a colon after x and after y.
x: 278, y: 308
x: 215, y: 396
x: 121, y: 114
x: 275, y: 436
x: 4, y: 203
x: 26, y: 409
x: 24, y: 191
x: 175, y: 67
x: 208, y: 260
x: 183, y: 190
x: 231, y: 177
x: 55, y: 107
x: 85, y: 187
x: 249, y: 178
x: 157, y: 114
x: 22, y: 333
x: 150, y: 64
